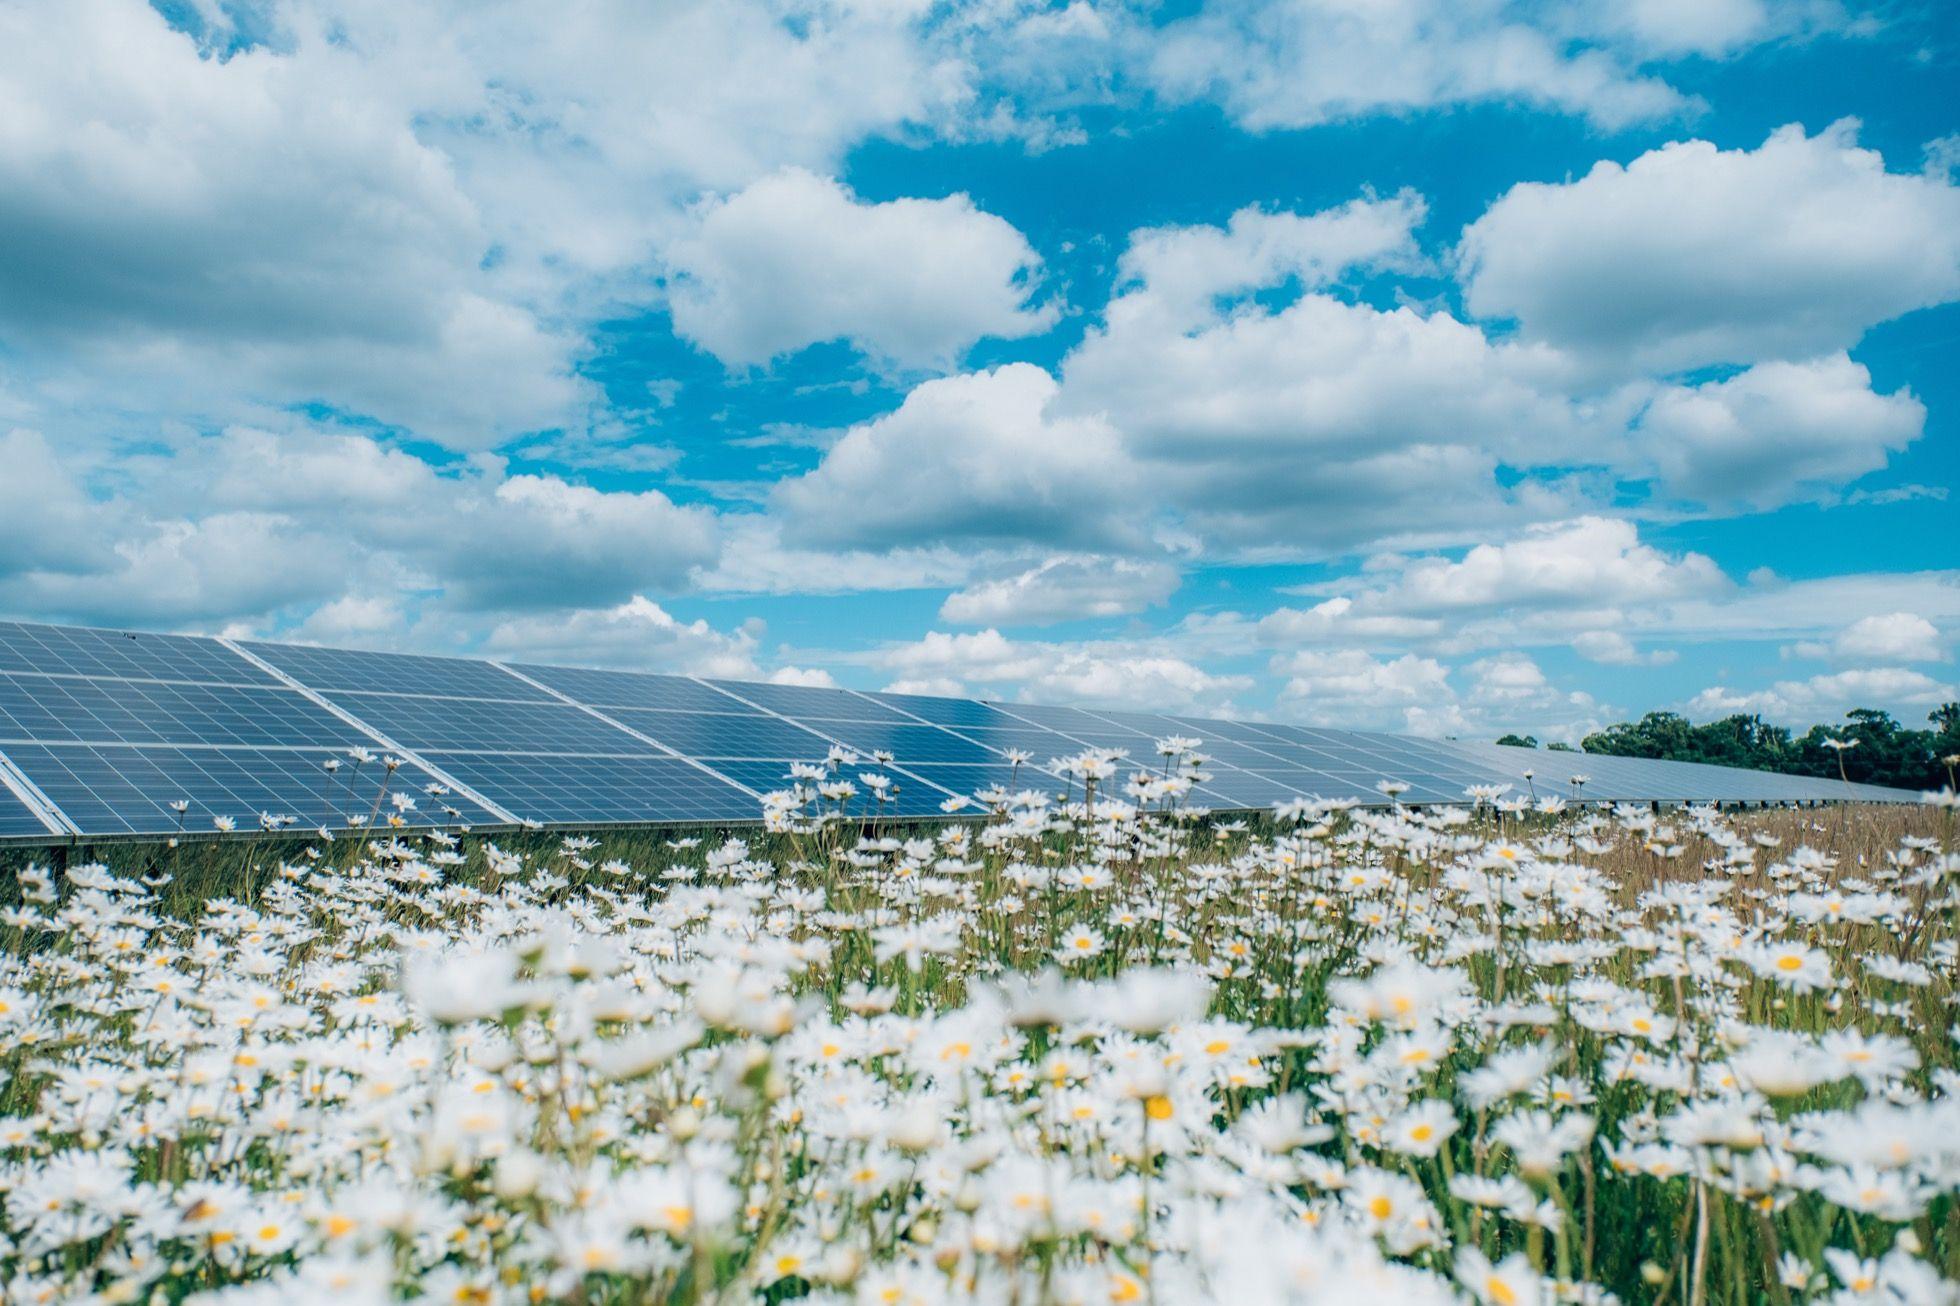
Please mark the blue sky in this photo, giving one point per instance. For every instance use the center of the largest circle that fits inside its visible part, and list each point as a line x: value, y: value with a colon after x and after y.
x: 1451, y: 367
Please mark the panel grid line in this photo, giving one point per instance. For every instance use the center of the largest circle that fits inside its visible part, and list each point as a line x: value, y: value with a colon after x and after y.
x: 828, y: 740
x: 390, y: 745
x: 622, y: 726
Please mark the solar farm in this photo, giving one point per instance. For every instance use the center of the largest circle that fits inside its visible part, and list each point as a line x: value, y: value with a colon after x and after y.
x: 108, y: 734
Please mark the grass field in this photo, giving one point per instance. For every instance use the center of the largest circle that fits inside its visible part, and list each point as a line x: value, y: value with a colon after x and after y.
x: 1071, y: 1053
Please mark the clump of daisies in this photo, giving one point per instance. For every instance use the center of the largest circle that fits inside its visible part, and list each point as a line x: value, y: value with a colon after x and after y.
x: 1088, y: 1048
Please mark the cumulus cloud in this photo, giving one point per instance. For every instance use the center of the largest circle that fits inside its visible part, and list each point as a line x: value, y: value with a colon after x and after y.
x: 1611, y: 648
x: 1063, y: 588
x: 1899, y: 690
x: 249, y: 524
x: 1296, y: 63
x: 413, y: 213
x: 1246, y: 408
x: 977, y: 456
x: 990, y: 665
x: 1553, y: 582
x: 796, y: 259
x: 1349, y: 684
x: 1884, y: 637
x: 1693, y: 255
x: 261, y: 224
x: 638, y: 634
x: 1428, y: 697
x: 1186, y: 268
x: 1765, y: 435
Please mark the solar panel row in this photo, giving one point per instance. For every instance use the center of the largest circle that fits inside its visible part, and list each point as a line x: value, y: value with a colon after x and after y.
x: 125, y: 733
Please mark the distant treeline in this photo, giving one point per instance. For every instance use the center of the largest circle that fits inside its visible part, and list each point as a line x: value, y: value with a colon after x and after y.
x: 1883, y: 751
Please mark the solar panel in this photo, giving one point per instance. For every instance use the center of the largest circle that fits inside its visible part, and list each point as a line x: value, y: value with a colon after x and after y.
x: 907, y: 795
x: 107, y: 729
x: 804, y: 702
x: 75, y: 709
x: 17, y: 820
x: 600, y: 790
x: 66, y: 650
x: 906, y: 741
x: 611, y: 689
x: 487, y: 725
x: 719, y: 734
x: 117, y: 789
x: 327, y: 670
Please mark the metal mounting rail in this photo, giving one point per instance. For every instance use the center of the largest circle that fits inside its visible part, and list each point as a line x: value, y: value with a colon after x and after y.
x: 44, y: 808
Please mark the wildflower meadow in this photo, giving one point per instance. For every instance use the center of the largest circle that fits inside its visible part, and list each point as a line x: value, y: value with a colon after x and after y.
x: 1078, y: 1048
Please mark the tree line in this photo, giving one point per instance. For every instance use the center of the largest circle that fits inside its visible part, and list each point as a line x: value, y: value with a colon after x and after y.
x: 1882, y: 750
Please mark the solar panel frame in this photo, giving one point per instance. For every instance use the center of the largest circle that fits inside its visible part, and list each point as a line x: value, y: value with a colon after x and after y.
x: 331, y: 671
x: 580, y: 790
x: 651, y: 747
x: 127, y: 789
x: 91, y: 709
x: 18, y: 820
x: 725, y: 734
x: 450, y: 725
x: 809, y: 702
x: 607, y: 690
x: 127, y: 655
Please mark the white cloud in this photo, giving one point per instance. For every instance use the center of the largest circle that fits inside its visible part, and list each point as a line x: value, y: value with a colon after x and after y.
x: 51, y: 524
x: 1692, y: 255
x: 978, y: 457
x: 1317, y: 424
x: 263, y: 225
x: 1348, y: 685
x: 796, y: 259
x: 1709, y: 27
x: 808, y: 677
x: 637, y: 635
x: 1899, y: 690
x: 1296, y: 63
x: 1186, y: 268
x: 1764, y: 435
x: 1890, y: 637
x: 410, y: 212
x: 1063, y: 588
x: 1114, y: 674
x: 1593, y: 560
x: 756, y: 560
x: 1611, y: 648
x: 253, y: 525
x: 1421, y: 694
x: 1553, y: 583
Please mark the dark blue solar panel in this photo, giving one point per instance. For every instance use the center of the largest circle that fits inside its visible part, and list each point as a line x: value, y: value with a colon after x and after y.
x: 706, y: 734
x: 328, y: 669
x: 966, y: 781
x: 907, y: 743
x: 1068, y: 720
x: 16, y: 820
x: 567, y: 790
x: 805, y: 702
x: 960, y: 713
x: 66, y: 709
x: 610, y: 689
x: 120, y: 790
x: 1246, y: 789
x: 456, y: 724
x: 905, y: 796
x: 75, y: 651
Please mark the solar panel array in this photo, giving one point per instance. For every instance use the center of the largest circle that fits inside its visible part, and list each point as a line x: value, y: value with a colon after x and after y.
x: 121, y: 733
